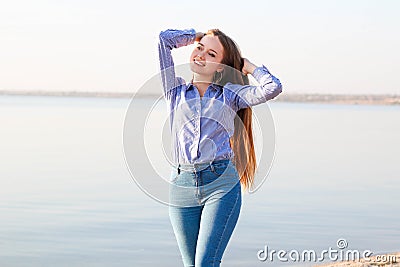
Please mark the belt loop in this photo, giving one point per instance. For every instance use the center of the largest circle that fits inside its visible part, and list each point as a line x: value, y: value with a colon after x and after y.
x: 179, y: 169
x: 212, y: 166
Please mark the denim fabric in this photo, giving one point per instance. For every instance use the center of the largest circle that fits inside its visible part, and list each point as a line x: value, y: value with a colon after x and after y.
x: 205, y: 206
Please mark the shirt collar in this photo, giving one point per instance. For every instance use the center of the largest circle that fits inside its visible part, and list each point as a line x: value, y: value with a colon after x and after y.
x: 214, y: 86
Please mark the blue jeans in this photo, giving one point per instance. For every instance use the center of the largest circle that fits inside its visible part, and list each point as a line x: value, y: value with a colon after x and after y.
x: 205, y: 201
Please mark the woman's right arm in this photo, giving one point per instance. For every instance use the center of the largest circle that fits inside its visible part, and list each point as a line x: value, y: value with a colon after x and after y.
x: 170, y: 39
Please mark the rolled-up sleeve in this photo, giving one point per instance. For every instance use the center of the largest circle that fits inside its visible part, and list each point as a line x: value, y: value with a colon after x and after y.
x: 244, y: 96
x: 170, y: 39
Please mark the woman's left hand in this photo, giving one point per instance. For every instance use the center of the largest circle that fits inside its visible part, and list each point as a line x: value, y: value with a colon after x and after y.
x: 248, y: 67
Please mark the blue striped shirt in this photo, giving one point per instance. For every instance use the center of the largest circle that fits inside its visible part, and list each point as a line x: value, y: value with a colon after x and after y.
x: 201, y: 126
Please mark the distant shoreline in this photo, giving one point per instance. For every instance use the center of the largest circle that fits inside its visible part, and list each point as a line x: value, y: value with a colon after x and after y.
x: 367, y: 99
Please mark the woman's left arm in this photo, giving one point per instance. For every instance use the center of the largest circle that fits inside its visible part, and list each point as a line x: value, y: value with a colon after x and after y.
x: 249, y: 95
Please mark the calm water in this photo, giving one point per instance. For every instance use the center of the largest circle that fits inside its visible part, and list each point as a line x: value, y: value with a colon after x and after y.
x: 67, y: 198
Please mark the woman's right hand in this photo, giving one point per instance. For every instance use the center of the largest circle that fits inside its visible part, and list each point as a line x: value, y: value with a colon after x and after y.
x: 199, y: 35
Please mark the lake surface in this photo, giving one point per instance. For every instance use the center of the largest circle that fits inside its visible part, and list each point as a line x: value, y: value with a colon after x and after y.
x: 68, y: 199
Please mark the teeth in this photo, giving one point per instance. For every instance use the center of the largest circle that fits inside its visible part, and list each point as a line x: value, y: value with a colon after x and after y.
x: 199, y: 63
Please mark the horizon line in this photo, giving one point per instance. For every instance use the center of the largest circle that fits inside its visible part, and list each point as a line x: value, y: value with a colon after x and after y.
x: 385, y: 99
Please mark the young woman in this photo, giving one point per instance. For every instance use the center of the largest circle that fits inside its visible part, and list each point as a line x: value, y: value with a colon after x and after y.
x: 212, y: 142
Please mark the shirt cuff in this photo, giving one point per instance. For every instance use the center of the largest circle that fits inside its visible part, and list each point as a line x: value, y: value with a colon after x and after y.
x: 184, y: 37
x: 260, y: 71
x: 192, y: 34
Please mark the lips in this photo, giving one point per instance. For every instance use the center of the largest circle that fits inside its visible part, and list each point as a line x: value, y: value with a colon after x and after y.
x: 199, y: 63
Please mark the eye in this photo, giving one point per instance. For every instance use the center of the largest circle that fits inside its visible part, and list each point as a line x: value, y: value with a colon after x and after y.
x: 211, y: 54
x: 198, y: 47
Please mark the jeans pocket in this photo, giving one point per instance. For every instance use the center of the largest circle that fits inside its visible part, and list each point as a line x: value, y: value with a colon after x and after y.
x: 219, y: 169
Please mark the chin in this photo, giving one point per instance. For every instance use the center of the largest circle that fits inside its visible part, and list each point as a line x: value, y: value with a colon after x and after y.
x: 200, y: 70
x: 193, y: 68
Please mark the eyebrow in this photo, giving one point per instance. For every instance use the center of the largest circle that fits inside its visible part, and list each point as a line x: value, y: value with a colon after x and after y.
x: 209, y: 49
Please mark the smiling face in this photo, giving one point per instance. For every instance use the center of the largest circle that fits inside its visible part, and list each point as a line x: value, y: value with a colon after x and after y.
x: 206, y: 56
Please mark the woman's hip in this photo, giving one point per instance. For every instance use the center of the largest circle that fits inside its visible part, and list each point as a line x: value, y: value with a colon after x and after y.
x: 192, y: 185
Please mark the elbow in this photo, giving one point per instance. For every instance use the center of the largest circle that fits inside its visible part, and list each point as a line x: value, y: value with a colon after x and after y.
x: 163, y: 35
x: 164, y: 38
x: 276, y: 88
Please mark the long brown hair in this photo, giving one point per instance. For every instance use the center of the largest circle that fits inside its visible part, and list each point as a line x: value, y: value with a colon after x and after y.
x: 242, y: 140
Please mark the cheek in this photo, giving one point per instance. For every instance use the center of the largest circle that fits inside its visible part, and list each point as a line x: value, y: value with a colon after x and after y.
x: 214, y: 62
x: 193, y: 54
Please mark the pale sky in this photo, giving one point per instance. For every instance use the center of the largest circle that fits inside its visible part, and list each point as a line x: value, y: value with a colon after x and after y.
x: 312, y: 46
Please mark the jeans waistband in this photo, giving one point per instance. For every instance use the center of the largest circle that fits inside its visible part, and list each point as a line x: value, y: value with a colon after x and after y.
x: 199, y: 166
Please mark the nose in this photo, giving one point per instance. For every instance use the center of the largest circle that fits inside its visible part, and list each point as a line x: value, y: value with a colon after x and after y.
x: 200, y: 55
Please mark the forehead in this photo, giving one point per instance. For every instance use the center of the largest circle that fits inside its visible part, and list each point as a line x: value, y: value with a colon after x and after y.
x: 212, y: 42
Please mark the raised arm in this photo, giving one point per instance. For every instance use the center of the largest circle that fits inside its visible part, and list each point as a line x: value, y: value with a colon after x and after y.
x: 250, y: 95
x: 170, y: 39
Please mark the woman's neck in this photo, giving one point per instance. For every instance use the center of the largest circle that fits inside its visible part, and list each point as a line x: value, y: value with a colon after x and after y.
x: 201, y: 82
